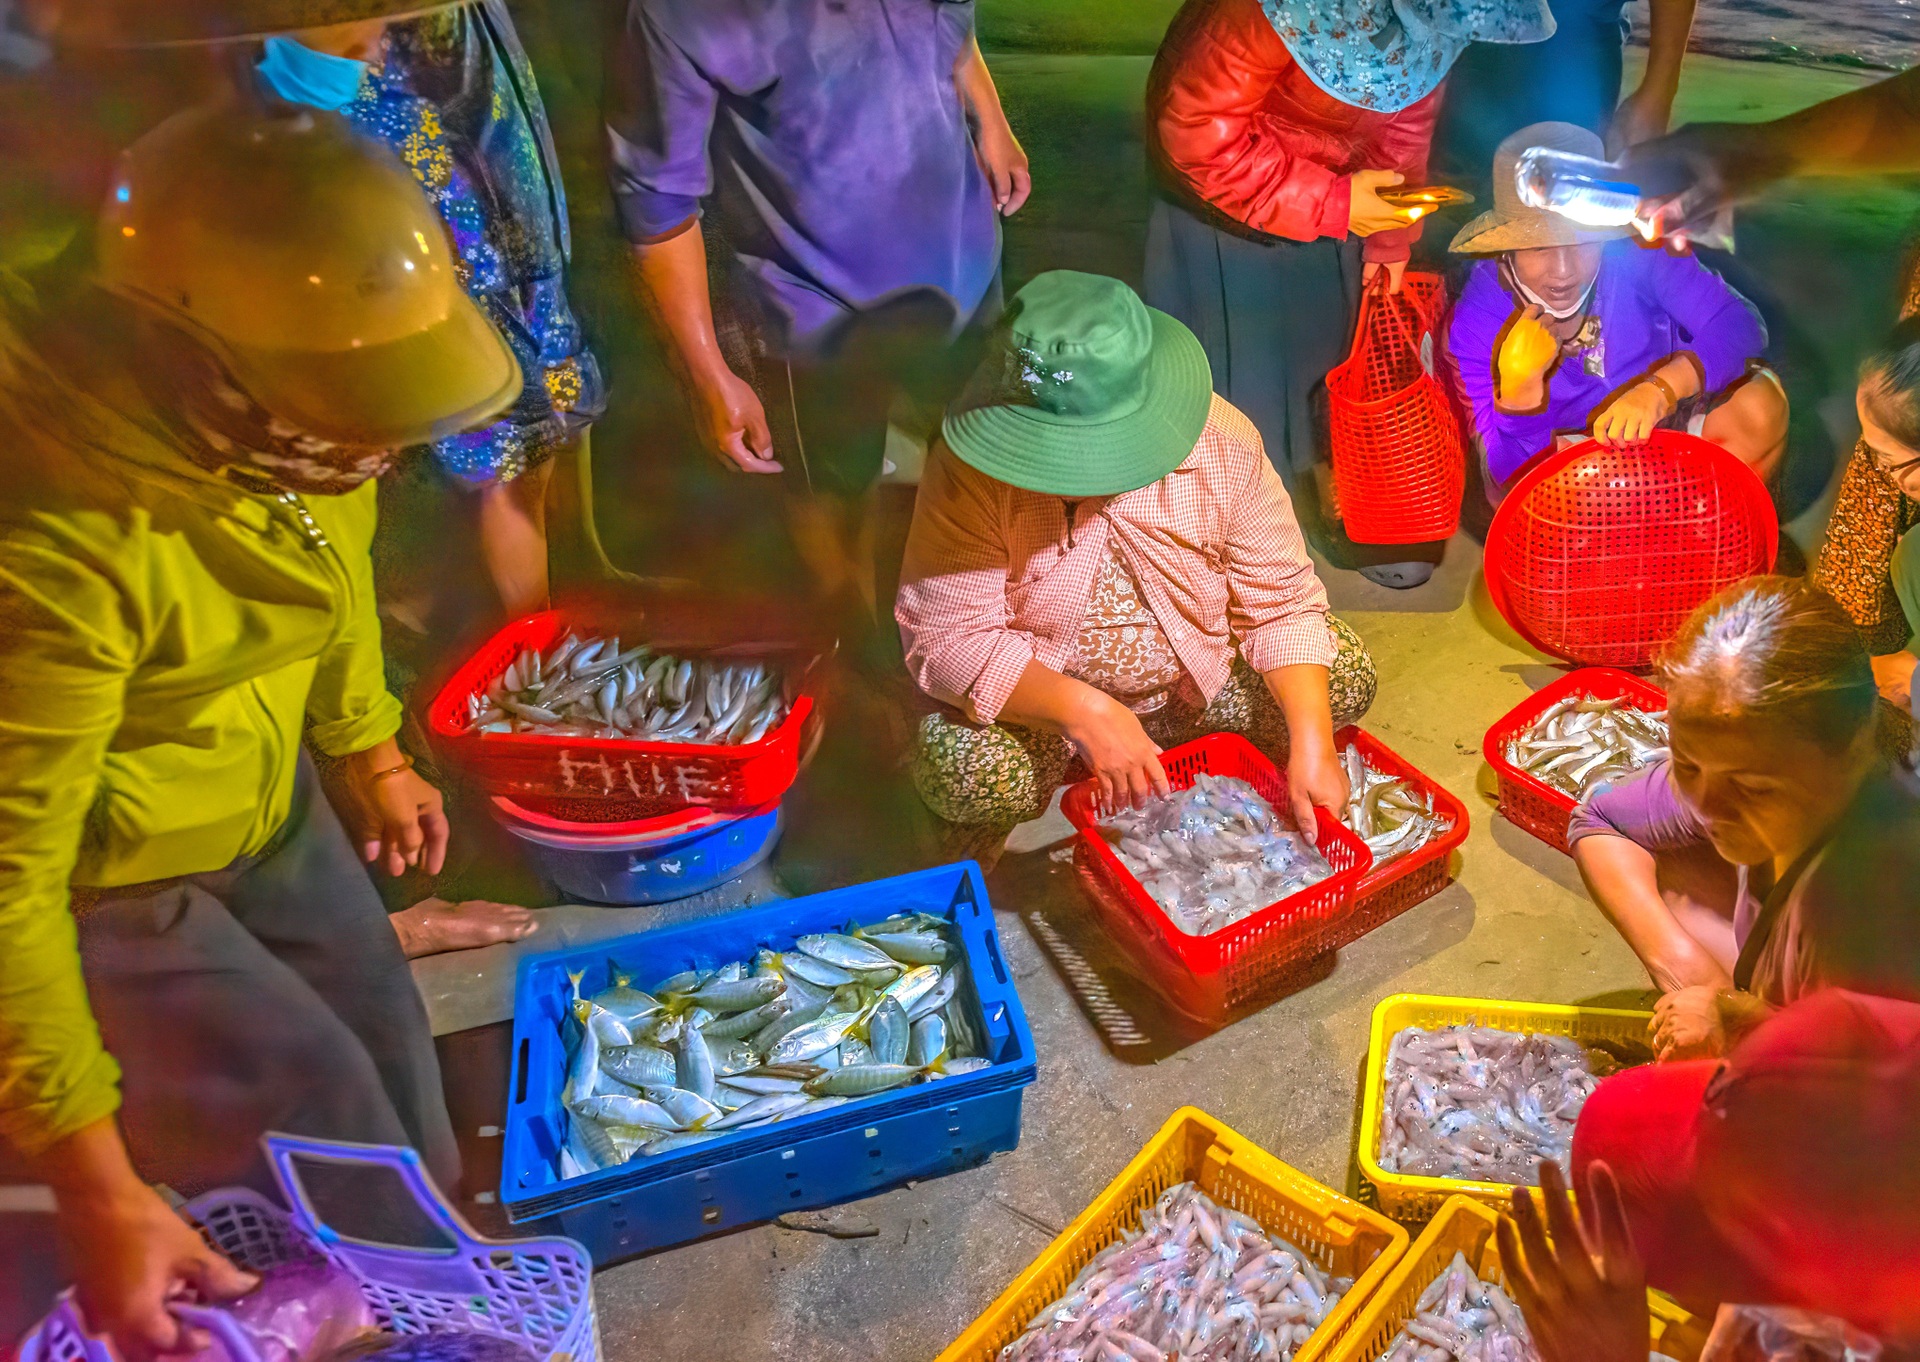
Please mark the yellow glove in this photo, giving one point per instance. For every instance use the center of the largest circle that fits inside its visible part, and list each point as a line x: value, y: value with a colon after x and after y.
x: 1526, y: 353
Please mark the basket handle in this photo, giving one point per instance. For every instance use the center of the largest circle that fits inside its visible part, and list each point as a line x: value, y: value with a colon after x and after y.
x: 439, y: 1270
x: 1396, y: 306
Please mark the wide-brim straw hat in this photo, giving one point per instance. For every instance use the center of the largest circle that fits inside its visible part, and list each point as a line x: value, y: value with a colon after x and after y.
x: 171, y: 23
x: 1085, y: 391
x: 1512, y: 226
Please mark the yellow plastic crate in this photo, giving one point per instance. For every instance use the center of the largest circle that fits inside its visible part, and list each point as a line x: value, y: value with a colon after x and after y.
x: 1342, y: 1236
x: 1413, y: 1199
x: 1465, y: 1226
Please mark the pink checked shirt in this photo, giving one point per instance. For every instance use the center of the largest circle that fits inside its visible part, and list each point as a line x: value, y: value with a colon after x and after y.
x: 996, y: 577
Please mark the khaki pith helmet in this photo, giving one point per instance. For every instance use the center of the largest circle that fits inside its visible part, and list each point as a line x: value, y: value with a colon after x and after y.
x: 309, y: 259
x: 166, y: 23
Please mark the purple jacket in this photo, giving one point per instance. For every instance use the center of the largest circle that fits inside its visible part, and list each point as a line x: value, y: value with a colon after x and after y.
x: 828, y: 137
x: 1651, y: 305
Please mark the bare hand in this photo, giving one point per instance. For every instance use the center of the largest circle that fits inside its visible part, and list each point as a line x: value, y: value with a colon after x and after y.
x: 1367, y: 213
x: 1527, y: 351
x: 1396, y: 273
x: 1584, y: 1294
x: 732, y: 423
x: 1631, y: 417
x: 1641, y: 117
x: 1687, y: 1025
x: 1893, y: 673
x: 1005, y: 162
x: 132, y: 1255
x: 1124, y: 760
x: 398, y: 819
x: 1315, y: 778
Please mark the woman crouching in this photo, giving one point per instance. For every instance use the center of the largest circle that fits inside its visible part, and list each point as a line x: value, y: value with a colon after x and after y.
x: 1103, y: 562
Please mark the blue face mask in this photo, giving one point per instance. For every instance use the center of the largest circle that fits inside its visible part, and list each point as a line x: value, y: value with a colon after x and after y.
x: 302, y: 76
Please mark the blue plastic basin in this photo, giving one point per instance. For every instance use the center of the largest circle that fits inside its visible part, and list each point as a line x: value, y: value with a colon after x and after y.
x: 629, y: 871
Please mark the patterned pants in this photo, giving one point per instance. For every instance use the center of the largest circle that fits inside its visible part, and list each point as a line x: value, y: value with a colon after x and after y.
x: 992, y: 777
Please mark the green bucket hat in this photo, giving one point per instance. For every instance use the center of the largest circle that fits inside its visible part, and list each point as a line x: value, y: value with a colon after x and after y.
x: 1085, y: 391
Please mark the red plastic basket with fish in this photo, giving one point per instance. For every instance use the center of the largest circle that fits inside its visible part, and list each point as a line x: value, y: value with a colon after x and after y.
x: 1528, y: 802
x: 569, y: 777
x: 1212, y: 977
x: 1389, y: 889
x: 1397, y: 461
x: 1598, y: 555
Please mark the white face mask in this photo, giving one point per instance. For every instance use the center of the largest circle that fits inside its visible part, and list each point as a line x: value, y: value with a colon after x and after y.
x: 1558, y: 314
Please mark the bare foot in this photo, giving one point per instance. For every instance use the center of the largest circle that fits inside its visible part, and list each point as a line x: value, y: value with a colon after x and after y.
x: 434, y: 925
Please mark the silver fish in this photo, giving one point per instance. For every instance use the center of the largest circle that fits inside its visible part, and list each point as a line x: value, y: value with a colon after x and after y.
x: 583, y: 1069
x: 737, y: 995
x: 815, y: 1038
x: 859, y: 1080
x: 743, y: 1024
x: 814, y: 970
x: 590, y: 1146
x: 760, y: 1109
x: 889, y: 1032
x: 936, y: 997
x: 761, y: 1084
x: 600, y: 691
x: 929, y: 1042
x: 849, y: 953
x: 693, y: 1064
x: 609, y: 1028
x: 638, y: 1064
x: 1580, y: 742
x: 1387, y: 811
x: 912, y: 986
x: 626, y: 1111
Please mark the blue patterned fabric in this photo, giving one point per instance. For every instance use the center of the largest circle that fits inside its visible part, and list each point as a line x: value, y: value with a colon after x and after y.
x: 456, y: 99
x: 1387, y: 54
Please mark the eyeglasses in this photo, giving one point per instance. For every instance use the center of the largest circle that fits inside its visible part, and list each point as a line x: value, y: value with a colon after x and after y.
x: 1893, y: 470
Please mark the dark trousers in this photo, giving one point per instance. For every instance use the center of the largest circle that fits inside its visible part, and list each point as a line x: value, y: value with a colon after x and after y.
x: 271, y: 995
x: 1274, y: 316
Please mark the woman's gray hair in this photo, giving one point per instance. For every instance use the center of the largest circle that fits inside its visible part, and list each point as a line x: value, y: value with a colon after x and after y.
x: 1778, y: 650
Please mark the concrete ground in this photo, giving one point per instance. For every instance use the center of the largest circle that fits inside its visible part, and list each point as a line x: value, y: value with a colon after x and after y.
x: 1514, y: 924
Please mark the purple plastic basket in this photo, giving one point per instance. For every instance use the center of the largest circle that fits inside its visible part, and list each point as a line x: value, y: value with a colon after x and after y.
x: 537, y: 1292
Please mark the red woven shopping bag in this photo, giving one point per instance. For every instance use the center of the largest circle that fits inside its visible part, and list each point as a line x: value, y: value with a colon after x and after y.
x: 1398, y: 468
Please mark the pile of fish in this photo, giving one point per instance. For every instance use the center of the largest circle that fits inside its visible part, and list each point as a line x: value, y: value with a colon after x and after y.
x: 589, y: 688
x: 787, y: 1034
x: 1582, y: 741
x: 1213, y: 853
x: 1389, y: 813
x: 1471, y: 1102
x: 1460, y: 1316
x: 1196, y: 1282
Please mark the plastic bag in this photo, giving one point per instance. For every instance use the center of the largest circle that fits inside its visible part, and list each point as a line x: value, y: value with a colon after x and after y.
x: 1765, y: 1333
x: 298, y: 1312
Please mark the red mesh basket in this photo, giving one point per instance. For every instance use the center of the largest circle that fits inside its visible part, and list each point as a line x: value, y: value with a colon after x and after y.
x: 1397, y: 463
x: 620, y: 778
x: 1598, y: 555
x: 1533, y: 804
x: 1212, y: 977
x: 1389, y: 889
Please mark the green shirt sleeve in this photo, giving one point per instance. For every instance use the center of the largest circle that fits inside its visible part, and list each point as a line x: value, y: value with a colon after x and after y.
x: 69, y: 650
x: 1905, y: 571
x: 350, y: 705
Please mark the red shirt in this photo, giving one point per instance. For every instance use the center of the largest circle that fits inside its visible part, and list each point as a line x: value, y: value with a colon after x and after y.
x: 1233, y: 121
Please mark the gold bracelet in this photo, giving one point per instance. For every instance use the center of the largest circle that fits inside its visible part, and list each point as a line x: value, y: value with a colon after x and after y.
x: 1673, y: 398
x: 406, y: 764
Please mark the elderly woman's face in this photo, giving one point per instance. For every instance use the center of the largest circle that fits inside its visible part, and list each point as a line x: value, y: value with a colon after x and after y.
x: 1559, y: 275
x: 1900, y: 462
x: 1761, y: 793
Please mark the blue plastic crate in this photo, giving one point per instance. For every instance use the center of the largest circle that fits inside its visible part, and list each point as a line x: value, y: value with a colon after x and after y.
x: 849, y: 1151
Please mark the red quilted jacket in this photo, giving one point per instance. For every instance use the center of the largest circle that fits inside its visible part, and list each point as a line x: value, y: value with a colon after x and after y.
x: 1233, y: 121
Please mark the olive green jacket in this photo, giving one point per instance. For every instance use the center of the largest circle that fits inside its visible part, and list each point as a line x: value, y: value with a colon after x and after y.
x: 164, y: 637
